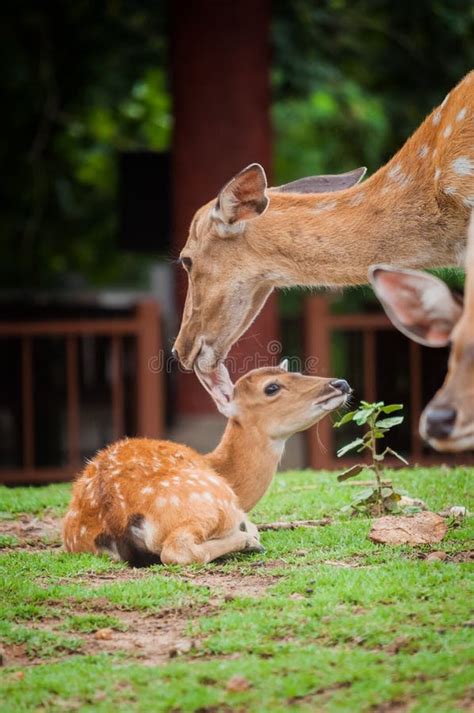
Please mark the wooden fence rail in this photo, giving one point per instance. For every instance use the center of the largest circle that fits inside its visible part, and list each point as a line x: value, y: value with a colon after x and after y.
x: 144, y: 328
x: 320, y: 325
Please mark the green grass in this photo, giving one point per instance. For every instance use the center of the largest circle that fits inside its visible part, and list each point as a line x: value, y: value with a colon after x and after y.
x: 386, y: 628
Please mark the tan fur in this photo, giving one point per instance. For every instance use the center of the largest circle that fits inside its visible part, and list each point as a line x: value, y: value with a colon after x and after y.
x: 140, y: 497
x: 412, y: 212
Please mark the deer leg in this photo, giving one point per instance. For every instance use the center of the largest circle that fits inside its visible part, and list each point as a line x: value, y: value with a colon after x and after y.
x: 247, y: 526
x: 183, y: 547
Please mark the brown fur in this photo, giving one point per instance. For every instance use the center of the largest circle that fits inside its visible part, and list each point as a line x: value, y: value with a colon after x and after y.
x: 412, y: 212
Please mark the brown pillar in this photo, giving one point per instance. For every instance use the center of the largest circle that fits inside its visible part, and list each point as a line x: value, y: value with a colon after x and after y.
x: 221, y: 94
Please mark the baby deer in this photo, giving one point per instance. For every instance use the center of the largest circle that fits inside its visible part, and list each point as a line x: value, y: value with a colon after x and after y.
x: 144, y: 501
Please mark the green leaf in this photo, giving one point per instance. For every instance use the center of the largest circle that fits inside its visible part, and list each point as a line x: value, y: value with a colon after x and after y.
x: 345, y: 419
x: 389, y: 422
x: 391, y: 407
x: 350, y: 472
x: 349, y: 447
x: 361, y: 416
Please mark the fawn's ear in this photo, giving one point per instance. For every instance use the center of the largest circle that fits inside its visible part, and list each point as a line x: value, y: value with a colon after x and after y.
x: 419, y: 305
x: 219, y: 384
x: 244, y: 197
x: 323, y: 184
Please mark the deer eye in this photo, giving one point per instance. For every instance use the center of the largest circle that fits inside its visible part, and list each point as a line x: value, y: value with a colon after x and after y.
x: 187, y: 263
x: 271, y: 389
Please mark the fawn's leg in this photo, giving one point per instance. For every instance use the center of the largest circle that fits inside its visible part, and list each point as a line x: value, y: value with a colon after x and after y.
x: 182, y: 546
x: 249, y: 527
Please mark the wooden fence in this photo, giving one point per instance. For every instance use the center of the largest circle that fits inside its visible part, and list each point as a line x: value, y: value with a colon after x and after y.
x: 143, y: 327
x: 320, y: 325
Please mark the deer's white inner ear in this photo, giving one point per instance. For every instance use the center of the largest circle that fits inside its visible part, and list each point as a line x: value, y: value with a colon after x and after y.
x: 219, y: 385
x: 284, y: 365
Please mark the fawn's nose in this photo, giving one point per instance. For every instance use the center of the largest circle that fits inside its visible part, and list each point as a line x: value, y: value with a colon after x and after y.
x: 341, y: 385
x: 440, y: 421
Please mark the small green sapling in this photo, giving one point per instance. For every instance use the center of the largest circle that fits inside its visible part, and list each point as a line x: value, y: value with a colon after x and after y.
x: 377, y: 421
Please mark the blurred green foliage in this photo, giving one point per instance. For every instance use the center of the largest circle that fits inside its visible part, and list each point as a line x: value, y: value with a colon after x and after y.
x: 84, y: 80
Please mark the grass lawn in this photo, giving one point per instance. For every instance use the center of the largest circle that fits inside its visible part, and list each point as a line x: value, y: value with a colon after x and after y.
x: 324, y: 620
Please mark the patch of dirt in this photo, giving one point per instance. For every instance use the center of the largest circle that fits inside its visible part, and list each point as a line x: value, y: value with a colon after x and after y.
x: 33, y: 532
x: 151, y: 639
x: 232, y: 584
x: 393, y: 707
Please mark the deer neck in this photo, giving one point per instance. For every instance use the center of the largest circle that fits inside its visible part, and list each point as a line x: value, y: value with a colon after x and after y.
x: 247, y: 458
x: 331, y: 239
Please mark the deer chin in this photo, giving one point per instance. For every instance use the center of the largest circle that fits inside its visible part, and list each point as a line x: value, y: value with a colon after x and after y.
x: 333, y: 402
x: 454, y: 444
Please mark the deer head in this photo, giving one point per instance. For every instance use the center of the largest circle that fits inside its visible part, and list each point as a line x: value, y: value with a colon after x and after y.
x: 279, y: 402
x: 422, y: 307
x: 229, y: 279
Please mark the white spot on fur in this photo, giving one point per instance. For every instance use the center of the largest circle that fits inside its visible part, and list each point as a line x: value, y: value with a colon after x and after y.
x: 449, y: 190
x: 469, y: 201
x: 161, y: 502
x: 436, y: 118
x: 83, y: 530
x: 461, y: 114
x: 196, y: 496
x: 423, y: 151
x: 213, y: 479
x: 174, y: 500
x: 326, y: 205
x: 165, y: 483
x: 437, y: 173
x: 148, y: 490
x: 207, y: 496
x: 357, y: 199
x: 395, y: 171
x: 463, y: 166
x: 448, y: 131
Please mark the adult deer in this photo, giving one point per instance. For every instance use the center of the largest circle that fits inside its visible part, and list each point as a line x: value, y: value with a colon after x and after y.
x: 143, y: 500
x: 422, y: 307
x: 327, y: 230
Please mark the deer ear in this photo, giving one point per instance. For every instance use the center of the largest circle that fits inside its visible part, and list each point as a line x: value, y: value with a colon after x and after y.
x: 419, y: 305
x: 323, y: 184
x: 219, y: 384
x: 244, y: 197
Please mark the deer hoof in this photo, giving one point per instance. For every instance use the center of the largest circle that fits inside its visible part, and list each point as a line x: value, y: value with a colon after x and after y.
x: 253, y: 545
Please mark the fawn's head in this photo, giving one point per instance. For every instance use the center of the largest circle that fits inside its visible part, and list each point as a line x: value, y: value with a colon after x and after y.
x: 279, y: 402
x: 229, y: 277
x: 422, y: 307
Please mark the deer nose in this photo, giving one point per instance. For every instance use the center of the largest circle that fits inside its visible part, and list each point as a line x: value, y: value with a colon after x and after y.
x: 440, y: 422
x: 341, y: 385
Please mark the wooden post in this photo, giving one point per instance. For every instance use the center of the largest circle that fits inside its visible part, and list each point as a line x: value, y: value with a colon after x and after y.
x: 150, y: 398
x: 318, y: 348
x: 220, y: 54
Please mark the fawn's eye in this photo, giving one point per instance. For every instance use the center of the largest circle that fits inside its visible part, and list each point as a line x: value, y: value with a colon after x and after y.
x: 187, y: 263
x: 271, y: 389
